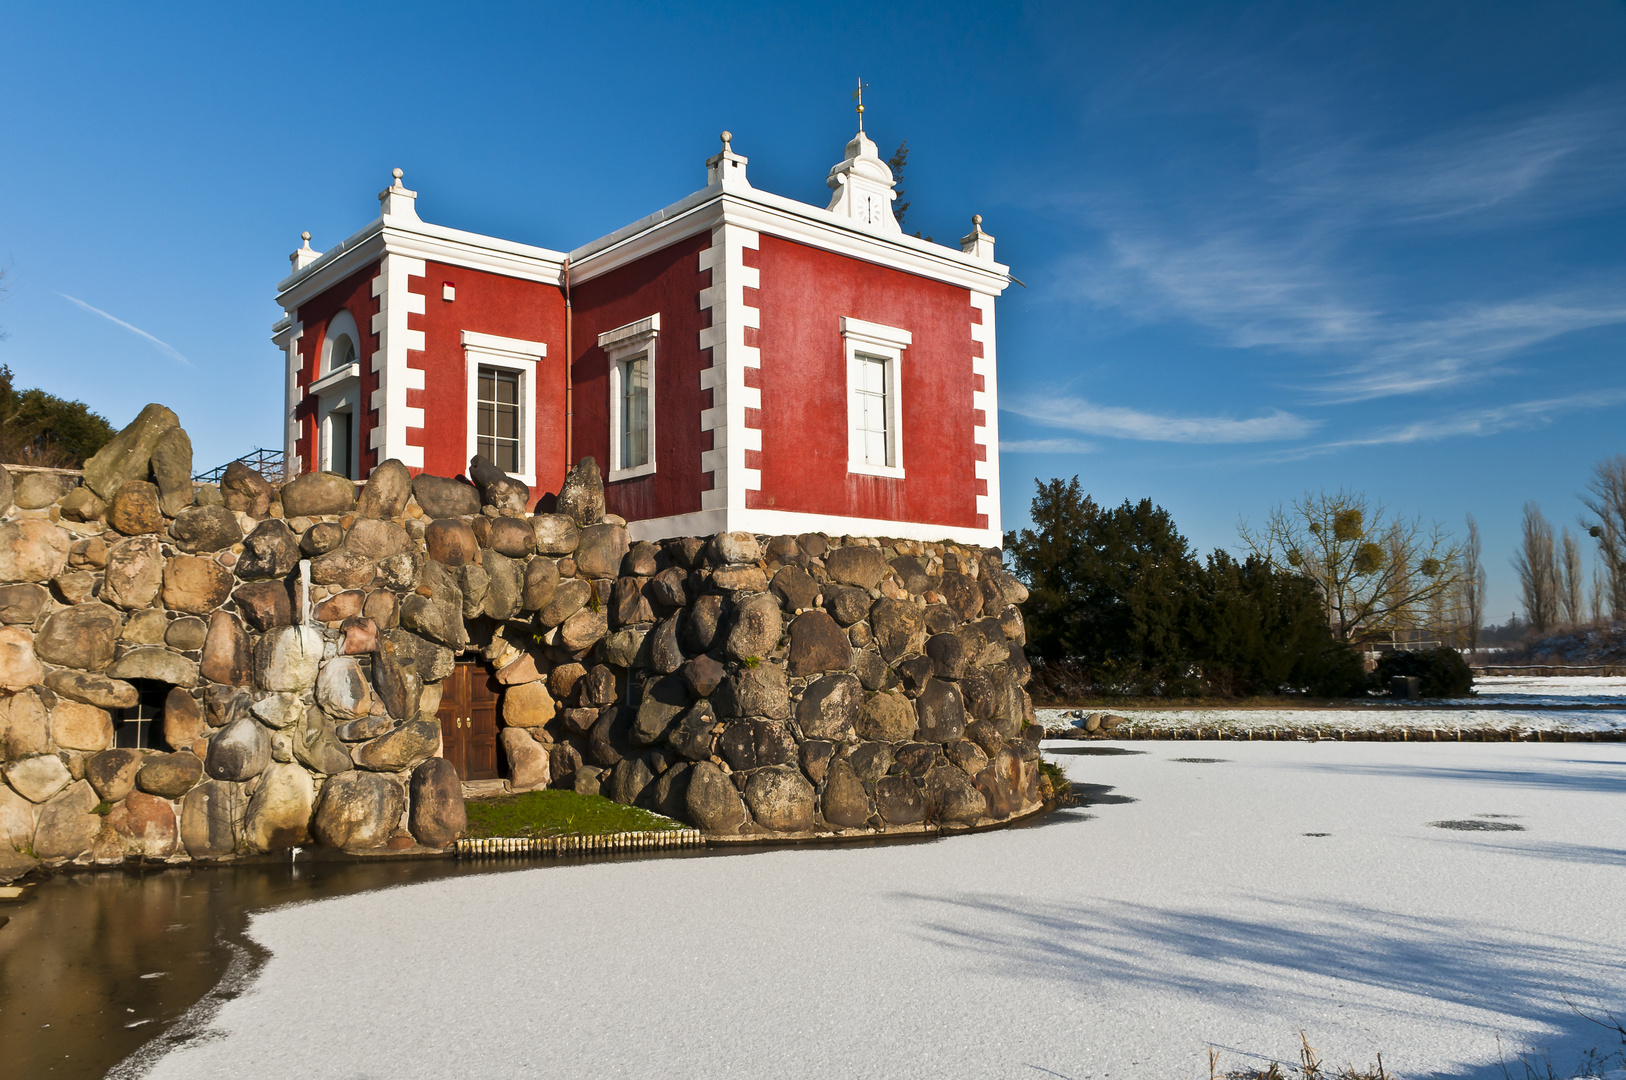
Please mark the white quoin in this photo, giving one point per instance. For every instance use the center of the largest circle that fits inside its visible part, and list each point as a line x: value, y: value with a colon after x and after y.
x: 863, y: 186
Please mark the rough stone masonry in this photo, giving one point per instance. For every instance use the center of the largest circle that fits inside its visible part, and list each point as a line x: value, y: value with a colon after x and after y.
x: 788, y: 685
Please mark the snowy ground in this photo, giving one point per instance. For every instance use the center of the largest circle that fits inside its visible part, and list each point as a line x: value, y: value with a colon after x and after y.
x: 1526, y: 703
x: 1291, y: 886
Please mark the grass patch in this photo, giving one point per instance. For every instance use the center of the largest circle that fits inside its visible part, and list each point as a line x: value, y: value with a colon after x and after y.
x: 559, y: 813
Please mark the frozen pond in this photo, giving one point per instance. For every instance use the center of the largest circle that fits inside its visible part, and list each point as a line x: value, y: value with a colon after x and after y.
x: 1419, y: 900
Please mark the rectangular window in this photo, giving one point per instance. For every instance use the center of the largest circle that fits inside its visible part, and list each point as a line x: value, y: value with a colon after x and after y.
x: 498, y: 413
x: 138, y: 726
x: 872, y: 410
x: 875, y: 356
x: 635, y: 411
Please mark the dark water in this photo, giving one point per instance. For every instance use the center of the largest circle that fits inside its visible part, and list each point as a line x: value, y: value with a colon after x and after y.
x: 94, y: 965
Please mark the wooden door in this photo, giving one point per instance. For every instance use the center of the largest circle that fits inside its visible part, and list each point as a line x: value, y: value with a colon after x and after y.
x: 468, y: 721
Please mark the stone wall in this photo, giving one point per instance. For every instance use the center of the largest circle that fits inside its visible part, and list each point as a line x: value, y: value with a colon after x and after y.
x: 751, y: 685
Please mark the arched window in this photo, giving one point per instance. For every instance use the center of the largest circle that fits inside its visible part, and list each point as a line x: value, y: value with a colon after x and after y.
x: 339, y: 347
x: 338, y: 389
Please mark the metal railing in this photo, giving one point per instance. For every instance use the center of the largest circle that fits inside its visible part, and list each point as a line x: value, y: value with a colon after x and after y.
x: 270, y: 464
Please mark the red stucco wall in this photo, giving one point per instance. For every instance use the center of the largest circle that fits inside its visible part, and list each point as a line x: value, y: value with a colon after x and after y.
x: 486, y: 303
x: 355, y: 294
x: 804, y: 294
x: 667, y: 281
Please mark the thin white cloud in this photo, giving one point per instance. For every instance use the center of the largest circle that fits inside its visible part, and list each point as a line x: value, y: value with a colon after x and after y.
x: 1281, y: 256
x: 1045, y: 446
x: 1118, y: 422
x: 167, y: 348
x: 1470, y: 423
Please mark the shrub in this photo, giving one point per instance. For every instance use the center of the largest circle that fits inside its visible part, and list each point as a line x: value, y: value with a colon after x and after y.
x: 1441, y: 672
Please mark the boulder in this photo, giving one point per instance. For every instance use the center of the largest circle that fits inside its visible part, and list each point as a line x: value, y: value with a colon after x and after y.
x: 600, y: 550
x: 128, y: 455
x: 386, y: 492
x: 629, y: 780
x: 754, y: 691
x: 694, y: 736
x: 941, y: 712
x: 288, y: 658
x: 342, y: 689
x: 438, y: 815
x: 361, y: 730
x: 22, y: 604
x: 358, y: 811
x: 528, y: 705
x: 270, y: 551
x: 265, y: 604
x: 171, y: 465
x: 702, y: 622
x: 951, y: 796
x: 583, y: 629
x: 581, y: 496
x: 37, y: 778
x: 145, y: 626
x: 795, y: 589
x: 7, y: 490
x: 667, y: 588
x: 872, y: 670
x: 212, y: 819
x: 712, y: 801
x: 887, y: 717
x: 845, y: 803
x: 862, y: 567
x: 32, y: 550
x: 344, y: 568
x: 321, y: 538
x: 849, y: 605
x: 318, y: 494
x: 77, y: 726
x: 665, y: 654
x: 317, y: 747
x: 541, y: 580
x: 703, y: 674
x: 513, y: 537
x: 607, y: 740
x: 628, y: 603
x: 135, y: 509
x: 756, y: 628
x: 227, y: 657
x: 781, y: 799
x: 160, y: 665
x: 528, y: 762
x: 16, y: 822
x: 440, y: 497
x: 209, y: 528
x: 451, y: 542
x: 24, y: 721
x: 81, y: 636
x: 951, y: 654
x: 962, y: 594
x: 818, y: 645
x: 671, y: 792
x: 402, y: 748
x: 244, y: 490
x: 1009, y: 783
x: 238, y: 751
x: 507, y: 584
x: 664, y: 699
x: 569, y: 598
x: 279, y: 813
x: 432, y: 662
x: 830, y: 707
x: 625, y: 648
x: 187, y: 634
x: 82, y: 504
x: 497, y: 488
x: 554, y: 534
x: 68, y: 823
x: 92, y: 689
x: 899, y: 800
x: 36, y: 491
x: 145, y: 824
x: 195, y: 584
x: 169, y: 776
x: 899, y: 628
x: 20, y: 668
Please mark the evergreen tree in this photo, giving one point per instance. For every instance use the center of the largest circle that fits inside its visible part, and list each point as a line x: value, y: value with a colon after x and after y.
x: 37, y: 428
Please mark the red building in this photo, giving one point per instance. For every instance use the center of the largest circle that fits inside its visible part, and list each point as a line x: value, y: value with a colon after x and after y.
x: 735, y: 361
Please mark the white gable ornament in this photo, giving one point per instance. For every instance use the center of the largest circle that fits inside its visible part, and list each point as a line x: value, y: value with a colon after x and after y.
x: 863, y: 185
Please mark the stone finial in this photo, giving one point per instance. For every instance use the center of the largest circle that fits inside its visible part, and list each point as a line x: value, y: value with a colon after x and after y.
x: 396, y: 201
x: 976, y: 243
x: 726, y: 167
x: 305, y: 255
x: 863, y: 187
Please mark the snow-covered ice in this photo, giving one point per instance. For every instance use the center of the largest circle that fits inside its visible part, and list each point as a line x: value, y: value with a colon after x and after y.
x: 1290, y: 886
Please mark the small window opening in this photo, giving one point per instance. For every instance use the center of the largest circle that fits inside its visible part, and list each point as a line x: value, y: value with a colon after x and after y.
x: 140, y: 727
x: 342, y: 436
x: 872, y: 414
x: 497, y: 410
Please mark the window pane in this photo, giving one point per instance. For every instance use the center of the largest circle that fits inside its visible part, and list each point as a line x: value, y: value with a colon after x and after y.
x: 497, y: 418
x: 635, y: 411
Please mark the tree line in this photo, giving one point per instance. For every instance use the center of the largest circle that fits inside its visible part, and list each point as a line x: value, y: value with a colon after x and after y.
x: 1555, y: 588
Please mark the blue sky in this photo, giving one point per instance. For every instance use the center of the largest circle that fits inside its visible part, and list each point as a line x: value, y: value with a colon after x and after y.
x: 1269, y: 248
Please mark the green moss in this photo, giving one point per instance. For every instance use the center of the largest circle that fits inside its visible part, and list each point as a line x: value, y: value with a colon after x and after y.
x: 559, y: 813
x: 753, y: 661
x: 103, y: 808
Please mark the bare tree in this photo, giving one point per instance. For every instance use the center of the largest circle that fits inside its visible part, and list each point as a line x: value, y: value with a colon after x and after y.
x: 1607, y: 502
x: 1600, y: 590
x: 1571, y: 583
x: 1471, y: 586
x: 1378, y: 575
x: 1537, y: 564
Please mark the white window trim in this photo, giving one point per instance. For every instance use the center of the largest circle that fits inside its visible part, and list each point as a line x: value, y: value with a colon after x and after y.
x: 620, y: 345
x: 887, y: 343
x: 508, y: 354
x: 342, y: 324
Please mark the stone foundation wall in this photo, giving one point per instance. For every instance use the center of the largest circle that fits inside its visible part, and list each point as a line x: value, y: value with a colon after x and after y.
x: 747, y: 684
